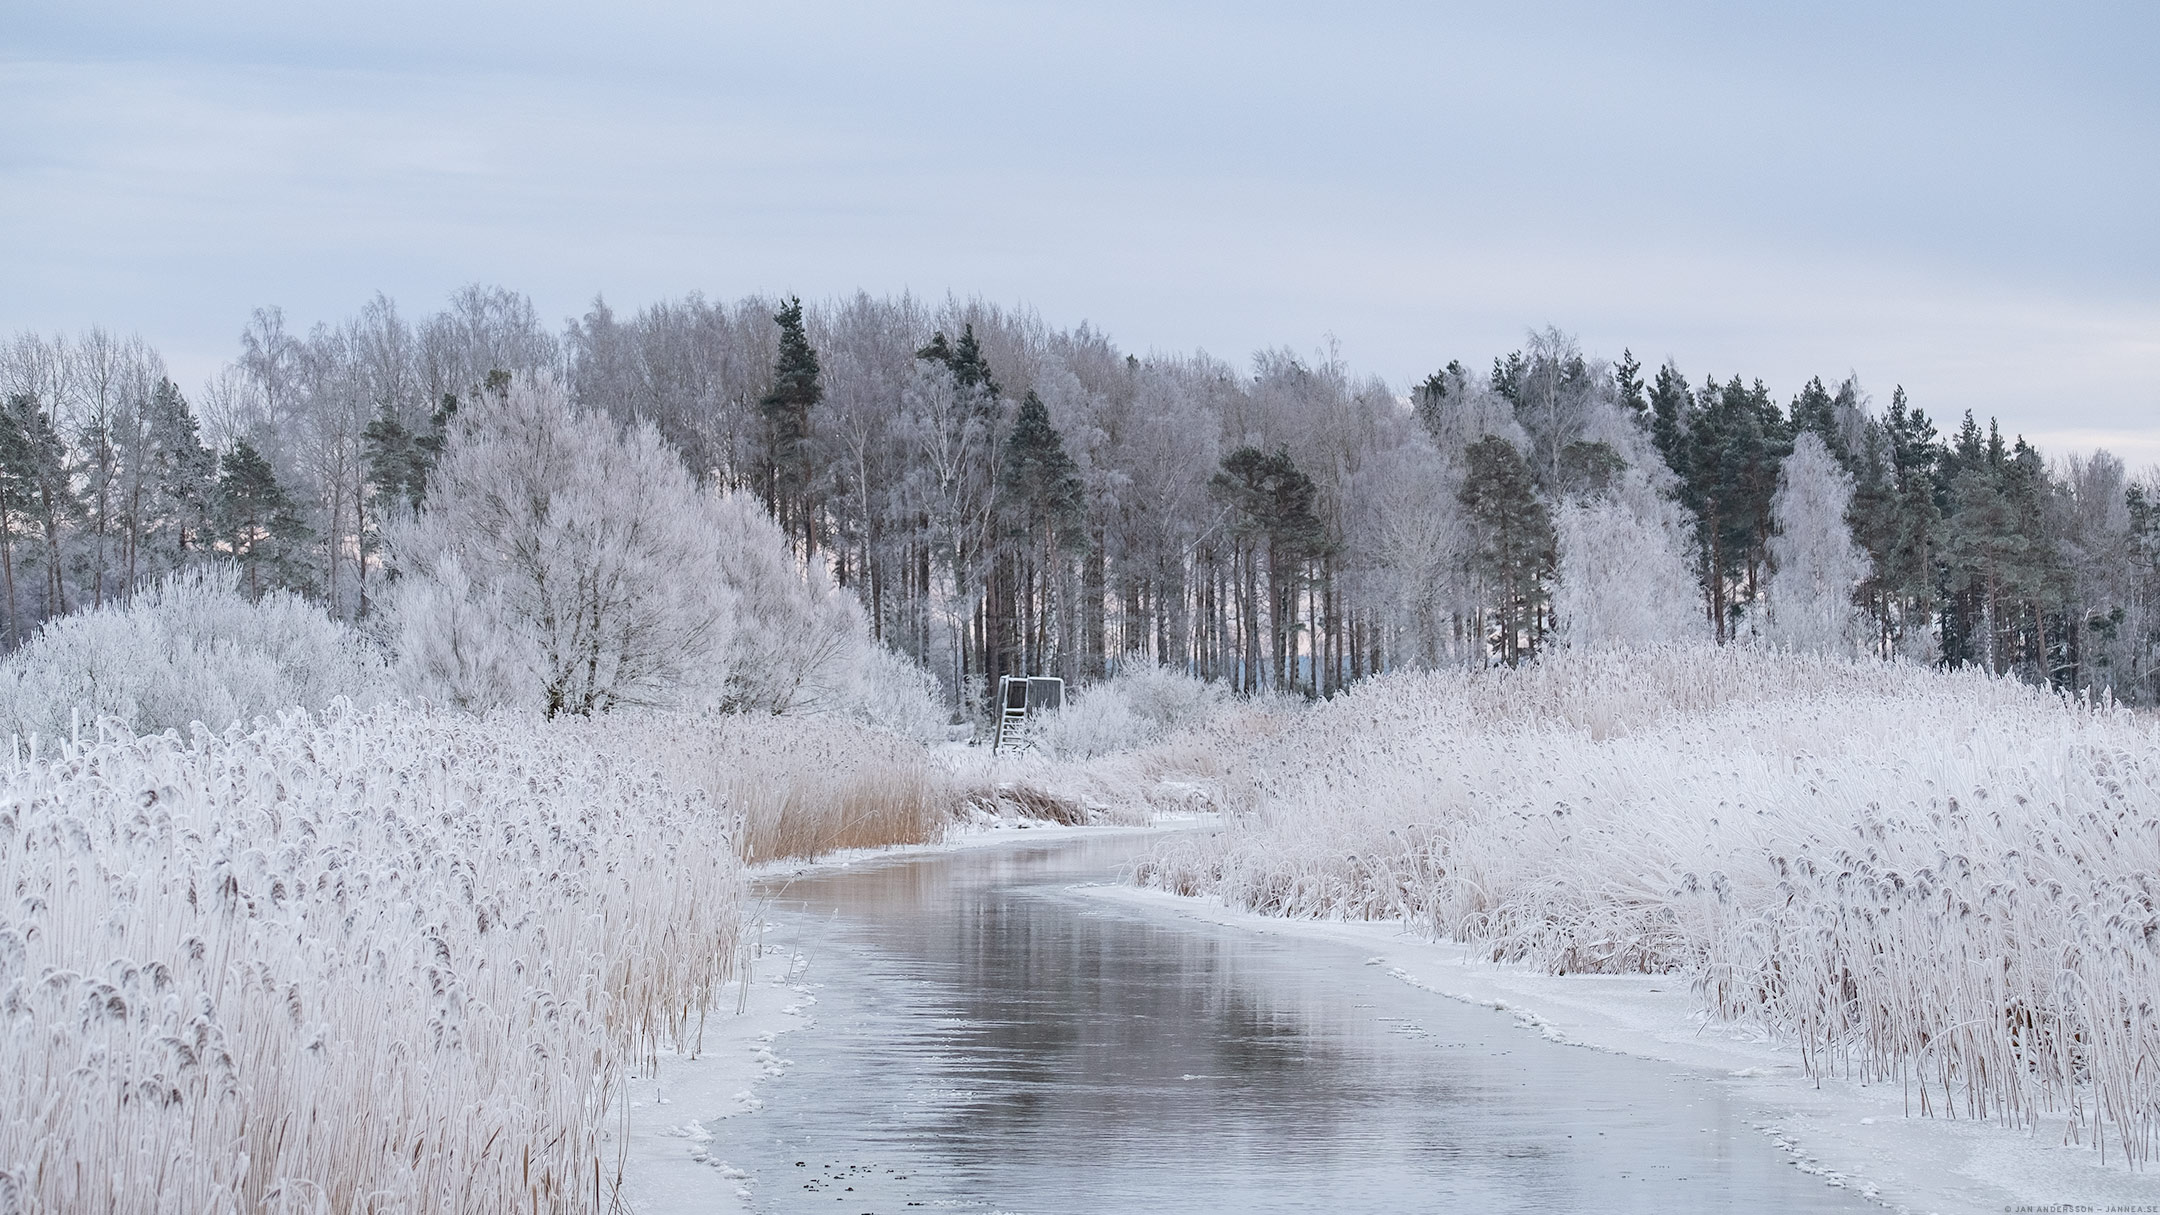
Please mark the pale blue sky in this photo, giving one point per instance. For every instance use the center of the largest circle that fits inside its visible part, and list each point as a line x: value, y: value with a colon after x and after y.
x: 1961, y: 197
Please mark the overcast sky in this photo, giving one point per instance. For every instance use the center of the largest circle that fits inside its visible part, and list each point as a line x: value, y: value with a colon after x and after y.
x: 1962, y: 198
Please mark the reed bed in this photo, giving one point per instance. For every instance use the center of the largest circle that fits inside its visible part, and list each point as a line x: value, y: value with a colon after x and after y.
x: 800, y: 787
x: 386, y: 962
x: 1934, y: 880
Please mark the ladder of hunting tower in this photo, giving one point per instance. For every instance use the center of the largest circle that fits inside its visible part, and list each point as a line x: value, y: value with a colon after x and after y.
x: 1019, y: 698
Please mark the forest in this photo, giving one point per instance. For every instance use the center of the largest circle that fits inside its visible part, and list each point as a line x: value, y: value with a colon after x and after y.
x: 1001, y: 496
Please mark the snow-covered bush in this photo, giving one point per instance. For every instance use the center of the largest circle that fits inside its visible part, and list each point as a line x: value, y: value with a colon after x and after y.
x: 799, y: 644
x: 894, y: 691
x: 187, y: 648
x: 1142, y: 704
x: 1927, y: 877
x: 392, y: 961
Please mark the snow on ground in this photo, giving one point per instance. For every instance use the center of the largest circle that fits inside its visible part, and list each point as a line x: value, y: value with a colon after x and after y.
x: 665, y: 1128
x: 983, y: 834
x: 1853, y: 1135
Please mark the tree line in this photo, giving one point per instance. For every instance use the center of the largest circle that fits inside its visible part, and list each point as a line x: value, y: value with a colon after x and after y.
x: 1006, y: 497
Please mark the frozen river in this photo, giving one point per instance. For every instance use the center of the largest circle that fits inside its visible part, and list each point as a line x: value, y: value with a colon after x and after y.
x: 985, y: 1038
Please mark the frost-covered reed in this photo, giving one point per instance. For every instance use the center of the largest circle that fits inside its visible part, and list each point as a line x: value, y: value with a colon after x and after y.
x: 392, y: 961
x: 1935, y: 880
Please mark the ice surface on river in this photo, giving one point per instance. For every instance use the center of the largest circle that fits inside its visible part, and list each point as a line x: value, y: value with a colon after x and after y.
x: 986, y: 1038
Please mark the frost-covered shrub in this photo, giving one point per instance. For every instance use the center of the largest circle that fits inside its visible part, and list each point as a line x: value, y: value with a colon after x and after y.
x: 894, y: 691
x: 799, y: 644
x: 1143, y: 704
x: 391, y: 961
x: 1922, y: 877
x: 187, y: 648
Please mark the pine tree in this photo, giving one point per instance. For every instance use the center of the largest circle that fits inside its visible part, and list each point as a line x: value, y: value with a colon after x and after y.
x: 1429, y: 402
x: 1814, y: 412
x: 1671, y: 403
x: 260, y: 527
x: 966, y: 446
x: 1507, y: 377
x: 1588, y: 468
x: 1043, y: 507
x: 785, y: 407
x: 1514, y: 544
x: 1273, y: 512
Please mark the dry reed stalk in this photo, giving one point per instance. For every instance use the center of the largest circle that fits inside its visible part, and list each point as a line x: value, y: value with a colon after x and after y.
x: 798, y: 787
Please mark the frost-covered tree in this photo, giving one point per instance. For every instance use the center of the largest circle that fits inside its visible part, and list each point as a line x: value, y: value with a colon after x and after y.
x: 902, y: 474
x: 561, y: 563
x: 1626, y: 571
x: 1817, y: 566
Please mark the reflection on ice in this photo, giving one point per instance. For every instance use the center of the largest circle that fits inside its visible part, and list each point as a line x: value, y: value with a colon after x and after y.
x: 984, y: 1039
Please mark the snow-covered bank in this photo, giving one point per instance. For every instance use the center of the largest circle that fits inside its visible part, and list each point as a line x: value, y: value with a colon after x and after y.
x: 1852, y: 1134
x: 665, y: 1126
x: 988, y: 833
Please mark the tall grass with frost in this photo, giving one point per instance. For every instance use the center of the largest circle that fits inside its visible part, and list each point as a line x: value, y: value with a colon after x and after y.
x: 1934, y: 880
x: 385, y: 961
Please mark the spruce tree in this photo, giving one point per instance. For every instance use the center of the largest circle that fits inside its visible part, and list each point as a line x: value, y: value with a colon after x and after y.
x: 964, y: 359
x: 391, y: 458
x: 16, y: 493
x: 1039, y: 485
x: 38, y: 467
x: 186, y: 473
x: 1628, y: 384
